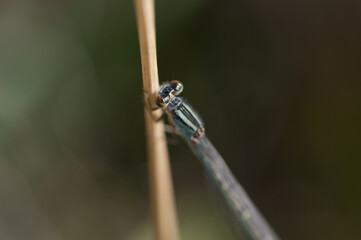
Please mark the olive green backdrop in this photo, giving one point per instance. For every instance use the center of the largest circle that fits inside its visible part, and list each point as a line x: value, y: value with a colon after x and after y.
x: 276, y: 82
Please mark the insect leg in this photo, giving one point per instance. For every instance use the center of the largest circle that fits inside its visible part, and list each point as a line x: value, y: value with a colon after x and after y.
x: 172, y: 129
x: 149, y: 108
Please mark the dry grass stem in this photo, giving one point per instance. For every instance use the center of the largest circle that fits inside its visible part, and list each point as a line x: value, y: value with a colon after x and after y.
x: 161, y: 186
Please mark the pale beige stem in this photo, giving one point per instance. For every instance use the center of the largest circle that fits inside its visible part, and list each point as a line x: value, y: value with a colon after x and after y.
x: 161, y: 186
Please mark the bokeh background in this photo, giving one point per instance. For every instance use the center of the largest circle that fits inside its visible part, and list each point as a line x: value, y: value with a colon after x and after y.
x: 276, y: 82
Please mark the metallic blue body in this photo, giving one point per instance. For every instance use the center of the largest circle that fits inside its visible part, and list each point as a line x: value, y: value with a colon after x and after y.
x: 184, y: 118
x: 246, y: 221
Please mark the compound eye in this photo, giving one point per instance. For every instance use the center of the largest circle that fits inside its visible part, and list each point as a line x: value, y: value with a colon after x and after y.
x: 162, y: 103
x: 177, y: 86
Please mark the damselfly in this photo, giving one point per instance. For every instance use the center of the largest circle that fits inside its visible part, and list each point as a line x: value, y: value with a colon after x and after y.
x: 245, y: 220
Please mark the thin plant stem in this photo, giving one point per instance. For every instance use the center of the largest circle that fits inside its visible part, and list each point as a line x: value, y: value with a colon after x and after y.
x: 161, y: 186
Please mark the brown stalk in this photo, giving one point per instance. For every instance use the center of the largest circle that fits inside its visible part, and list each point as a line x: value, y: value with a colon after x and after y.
x: 161, y: 186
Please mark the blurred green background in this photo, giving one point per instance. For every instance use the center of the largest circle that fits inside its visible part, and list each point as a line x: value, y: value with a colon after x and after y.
x: 276, y: 82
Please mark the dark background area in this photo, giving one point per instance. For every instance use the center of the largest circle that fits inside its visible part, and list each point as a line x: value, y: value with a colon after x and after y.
x: 276, y: 82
